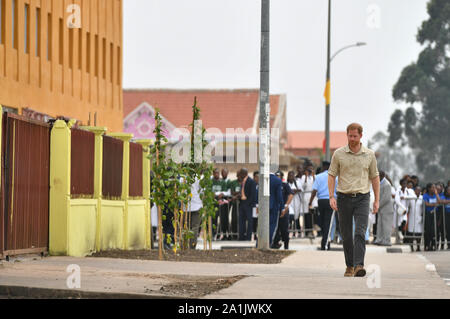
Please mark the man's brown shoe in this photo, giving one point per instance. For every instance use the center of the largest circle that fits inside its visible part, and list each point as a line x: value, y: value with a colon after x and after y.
x: 360, y: 271
x: 349, y: 272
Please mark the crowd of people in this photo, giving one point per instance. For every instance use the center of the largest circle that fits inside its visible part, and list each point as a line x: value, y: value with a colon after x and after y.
x: 298, y: 215
x: 419, y: 211
x: 408, y: 212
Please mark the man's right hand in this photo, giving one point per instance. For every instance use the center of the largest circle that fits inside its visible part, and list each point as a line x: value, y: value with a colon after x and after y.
x: 333, y: 203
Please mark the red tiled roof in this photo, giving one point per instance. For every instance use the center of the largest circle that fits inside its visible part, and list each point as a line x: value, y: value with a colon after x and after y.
x: 274, y: 105
x: 219, y: 108
x: 314, y: 139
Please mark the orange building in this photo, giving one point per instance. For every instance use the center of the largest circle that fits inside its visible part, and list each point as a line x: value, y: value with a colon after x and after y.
x: 63, y: 58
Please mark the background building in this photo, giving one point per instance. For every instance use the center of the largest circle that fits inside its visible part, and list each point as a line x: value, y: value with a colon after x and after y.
x: 62, y: 58
x: 220, y: 109
x: 311, y: 144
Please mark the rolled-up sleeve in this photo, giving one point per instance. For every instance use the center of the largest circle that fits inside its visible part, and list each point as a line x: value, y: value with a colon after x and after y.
x: 334, y: 166
x: 373, y: 169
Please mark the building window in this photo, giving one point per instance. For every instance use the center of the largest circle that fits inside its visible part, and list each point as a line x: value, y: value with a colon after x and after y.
x: 118, y: 66
x: 111, y: 60
x: 14, y: 24
x: 38, y: 32
x: 104, y: 59
x: 49, y: 37
x: 2, y: 21
x: 88, y: 52
x: 96, y: 55
x: 27, y: 28
x: 61, y: 41
x: 71, y: 48
x: 80, y: 49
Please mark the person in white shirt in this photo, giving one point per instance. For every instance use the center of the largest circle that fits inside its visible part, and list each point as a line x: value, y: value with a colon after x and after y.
x: 294, y: 206
x: 415, y: 219
x: 194, y: 207
x: 402, y: 197
x: 306, y: 185
x: 154, y: 220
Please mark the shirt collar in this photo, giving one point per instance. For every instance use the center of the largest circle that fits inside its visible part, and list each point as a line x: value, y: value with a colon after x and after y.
x: 361, y: 150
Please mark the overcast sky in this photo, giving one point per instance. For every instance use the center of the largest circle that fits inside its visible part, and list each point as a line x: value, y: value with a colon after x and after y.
x: 215, y: 44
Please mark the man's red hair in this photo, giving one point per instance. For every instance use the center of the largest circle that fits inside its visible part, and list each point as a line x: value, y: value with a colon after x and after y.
x: 355, y: 126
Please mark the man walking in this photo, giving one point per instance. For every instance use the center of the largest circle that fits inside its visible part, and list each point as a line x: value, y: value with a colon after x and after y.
x: 356, y: 167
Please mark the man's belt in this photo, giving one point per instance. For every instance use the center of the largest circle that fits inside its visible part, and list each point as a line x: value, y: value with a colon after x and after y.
x: 351, y: 194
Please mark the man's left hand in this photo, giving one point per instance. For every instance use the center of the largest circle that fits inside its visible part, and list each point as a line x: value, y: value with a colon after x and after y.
x: 376, y: 206
x: 284, y: 212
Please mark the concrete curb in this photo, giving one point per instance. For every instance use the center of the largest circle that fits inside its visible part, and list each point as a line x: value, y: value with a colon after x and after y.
x: 50, y: 293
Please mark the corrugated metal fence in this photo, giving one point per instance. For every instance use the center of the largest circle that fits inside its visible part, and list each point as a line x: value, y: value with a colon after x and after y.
x: 112, y: 167
x: 25, y: 185
x: 25, y: 174
x: 82, y: 163
x: 135, y: 170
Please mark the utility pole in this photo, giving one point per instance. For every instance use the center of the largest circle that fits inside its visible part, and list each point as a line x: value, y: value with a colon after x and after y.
x: 264, y: 131
x: 327, y: 90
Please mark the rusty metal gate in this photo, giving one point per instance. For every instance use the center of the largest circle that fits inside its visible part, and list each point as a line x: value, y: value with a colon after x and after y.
x: 24, y: 211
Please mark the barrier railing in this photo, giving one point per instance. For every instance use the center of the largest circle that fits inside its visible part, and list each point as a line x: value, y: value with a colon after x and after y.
x: 416, y: 219
x: 305, y: 216
x: 234, y: 231
x: 422, y: 233
x: 435, y: 235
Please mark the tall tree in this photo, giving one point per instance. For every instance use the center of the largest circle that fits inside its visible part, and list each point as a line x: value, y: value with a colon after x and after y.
x: 427, y: 83
x: 394, y: 161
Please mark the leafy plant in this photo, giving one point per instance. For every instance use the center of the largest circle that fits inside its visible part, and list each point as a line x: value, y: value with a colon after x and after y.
x: 203, y: 171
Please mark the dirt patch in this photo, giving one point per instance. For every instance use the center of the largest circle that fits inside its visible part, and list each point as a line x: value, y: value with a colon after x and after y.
x: 194, y: 286
x: 186, y: 286
x: 231, y: 256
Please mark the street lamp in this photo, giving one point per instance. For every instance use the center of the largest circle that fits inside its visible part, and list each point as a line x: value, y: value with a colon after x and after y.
x: 327, y: 88
x: 327, y: 97
x: 357, y: 44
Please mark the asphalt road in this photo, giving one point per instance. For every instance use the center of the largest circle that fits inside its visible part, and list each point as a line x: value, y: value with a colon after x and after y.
x: 441, y: 260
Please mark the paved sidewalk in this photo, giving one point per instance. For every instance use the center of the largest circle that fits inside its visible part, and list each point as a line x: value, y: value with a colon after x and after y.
x: 303, y: 244
x: 307, y: 273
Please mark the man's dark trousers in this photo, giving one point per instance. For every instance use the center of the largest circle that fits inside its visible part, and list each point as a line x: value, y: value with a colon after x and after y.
x: 326, y: 212
x: 357, y: 209
x: 234, y: 218
x: 245, y: 215
x: 282, y: 231
x: 224, y: 210
x: 273, y: 223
